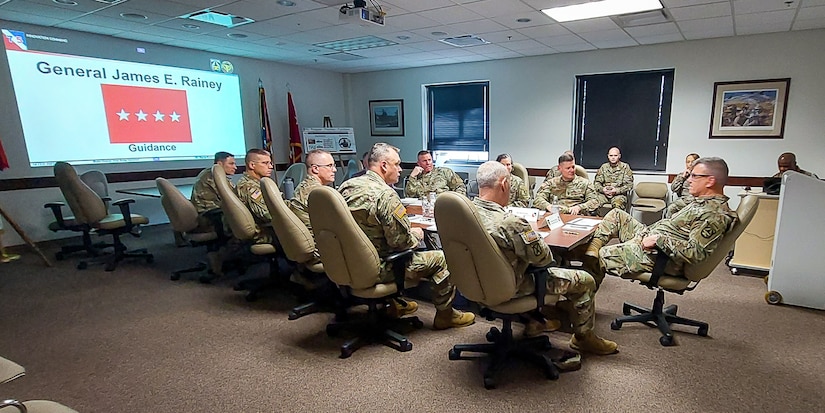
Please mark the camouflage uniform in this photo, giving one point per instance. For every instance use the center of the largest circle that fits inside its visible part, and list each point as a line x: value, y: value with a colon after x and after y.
x: 380, y: 214
x: 680, y: 185
x: 619, y: 177
x: 576, y: 192
x: 802, y: 171
x: 688, y: 237
x: 518, y: 193
x: 439, y: 180
x: 552, y: 173
x: 522, y: 246
x: 299, y: 203
x: 205, y: 197
x: 249, y: 192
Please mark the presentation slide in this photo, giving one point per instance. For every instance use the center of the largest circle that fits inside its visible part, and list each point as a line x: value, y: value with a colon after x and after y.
x: 87, y: 110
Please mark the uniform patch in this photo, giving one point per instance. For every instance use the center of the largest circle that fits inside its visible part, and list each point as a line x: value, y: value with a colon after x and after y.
x: 529, y: 236
x: 708, y: 234
x: 537, y: 251
x: 400, y: 212
x: 256, y: 194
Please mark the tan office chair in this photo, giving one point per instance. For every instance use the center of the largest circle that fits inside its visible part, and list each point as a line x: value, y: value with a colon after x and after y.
x: 89, y: 209
x: 9, y: 371
x: 96, y: 180
x: 520, y: 171
x: 244, y: 228
x: 649, y: 199
x: 69, y: 223
x: 296, y: 171
x: 183, y: 216
x: 352, y: 262
x: 299, y: 247
x: 662, y: 316
x: 580, y: 171
x: 483, y: 274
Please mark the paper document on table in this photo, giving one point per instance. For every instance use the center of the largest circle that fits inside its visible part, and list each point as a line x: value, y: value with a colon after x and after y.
x: 530, y: 214
x: 421, y: 219
x: 542, y: 234
x: 410, y: 201
x: 585, y: 222
x: 576, y: 227
x: 554, y: 221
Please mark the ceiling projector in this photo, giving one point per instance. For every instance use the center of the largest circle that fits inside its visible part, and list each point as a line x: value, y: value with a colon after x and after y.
x: 360, y: 14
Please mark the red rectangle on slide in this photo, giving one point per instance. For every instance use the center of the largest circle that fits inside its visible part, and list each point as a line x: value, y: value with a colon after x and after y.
x: 143, y: 114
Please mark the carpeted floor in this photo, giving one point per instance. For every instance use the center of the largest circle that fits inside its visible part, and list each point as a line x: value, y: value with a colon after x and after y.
x: 133, y: 341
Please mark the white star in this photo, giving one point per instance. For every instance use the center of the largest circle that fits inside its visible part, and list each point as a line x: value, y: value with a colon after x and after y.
x: 175, y: 117
x: 141, y: 115
x: 158, y: 116
x: 122, y: 115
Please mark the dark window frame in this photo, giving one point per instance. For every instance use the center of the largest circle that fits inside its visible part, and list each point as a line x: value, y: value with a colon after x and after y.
x: 457, y: 103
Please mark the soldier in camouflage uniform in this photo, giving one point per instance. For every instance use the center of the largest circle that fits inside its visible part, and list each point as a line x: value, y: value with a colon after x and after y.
x: 258, y: 165
x: 575, y: 194
x: 426, y: 178
x: 681, y: 187
x: 787, y: 162
x: 380, y: 214
x: 613, y: 180
x: 320, y: 171
x: 554, y: 171
x: 522, y: 246
x: 687, y: 237
x: 519, y: 196
x: 205, y: 193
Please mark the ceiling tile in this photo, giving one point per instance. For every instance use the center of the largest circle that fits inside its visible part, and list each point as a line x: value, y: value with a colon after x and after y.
x: 494, y: 8
x: 758, y: 6
x: 701, y: 12
x: 652, y: 30
x: 591, y: 25
x: 659, y: 38
x: 450, y: 15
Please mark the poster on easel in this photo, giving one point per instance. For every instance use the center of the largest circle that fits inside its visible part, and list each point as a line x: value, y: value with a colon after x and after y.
x: 333, y: 140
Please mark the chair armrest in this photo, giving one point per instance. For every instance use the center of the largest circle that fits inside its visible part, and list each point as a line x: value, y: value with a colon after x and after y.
x: 540, y: 277
x: 398, y: 270
x: 56, y: 208
x: 658, y: 267
x: 14, y: 403
x: 123, y: 204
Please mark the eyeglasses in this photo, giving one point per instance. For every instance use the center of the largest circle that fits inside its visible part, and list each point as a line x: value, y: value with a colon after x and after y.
x: 264, y: 162
x: 693, y: 175
x: 329, y: 165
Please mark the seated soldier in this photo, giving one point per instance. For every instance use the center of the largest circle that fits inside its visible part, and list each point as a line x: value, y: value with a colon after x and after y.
x: 378, y: 211
x: 787, y: 162
x: 554, y: 171
x: 426, y: 178
x: 681, y: 187
x: 613, y: 180
x: 573, y: 193
x: 205, y: 193
x: 687, y: 237
x: 320, y: 171
x: 522, y: 247
x: 258, y: 165
x: 518, y: 188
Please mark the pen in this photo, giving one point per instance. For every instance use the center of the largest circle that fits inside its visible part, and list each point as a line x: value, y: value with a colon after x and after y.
x: 570, y: 233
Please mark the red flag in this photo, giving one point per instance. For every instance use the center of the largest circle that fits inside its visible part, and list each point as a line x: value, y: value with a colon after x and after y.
x: 295, y: 148
x: 263, y: 114
x: 143, y: 114
x: 4, y: 162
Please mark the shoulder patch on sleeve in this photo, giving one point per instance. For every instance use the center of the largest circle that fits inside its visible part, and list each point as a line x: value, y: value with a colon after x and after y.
x: 400, y: 212
x: 529, y: 236
x: 256, y: 194
x: 709, y: 233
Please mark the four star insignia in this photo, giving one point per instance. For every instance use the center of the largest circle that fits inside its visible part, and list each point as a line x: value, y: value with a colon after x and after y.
x: 142, y: 116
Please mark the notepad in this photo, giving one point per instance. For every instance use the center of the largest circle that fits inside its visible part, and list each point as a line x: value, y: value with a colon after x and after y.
x: 585, y: 222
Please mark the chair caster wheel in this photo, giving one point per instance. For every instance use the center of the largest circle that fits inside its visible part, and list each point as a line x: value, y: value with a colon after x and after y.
x: 405, y: 345
x: 174, y: 277
x: 489, y: 383
x: 345, y: 353
x: 615, y: 325
x: 493, y: 335
x: 703, y: 331
x: 550, y: 371
x: 666, y: 340
x: 453, y: 354
x: 82, y: 265
x: 773, y: 297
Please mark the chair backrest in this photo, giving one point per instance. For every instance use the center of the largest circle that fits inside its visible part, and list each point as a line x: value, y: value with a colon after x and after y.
x: 97, y: 181
x: 745, y: 211
x: 520, y: 171
x: 652, y: 190
x: 348, y: 255
x: 580, y: 171
x: 235, y: 213
x: 293, y: 235
x: 181, y: 212
x: 472, y: 189
x: 296, y: 171
x: 353, y: 167
x: 477, y: 266
x: 87, y: 207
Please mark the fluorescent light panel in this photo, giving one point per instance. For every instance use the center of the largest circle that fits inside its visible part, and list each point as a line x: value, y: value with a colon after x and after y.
x: 600, y: 9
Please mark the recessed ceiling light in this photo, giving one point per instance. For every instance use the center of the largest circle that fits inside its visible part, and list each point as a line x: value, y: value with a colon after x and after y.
x: 236, y: 35
x: 65, y: 2
x: 133, y: 16
x: 438, y: 33
x: 600, y: 9
x: 357, y: 43
x: 402, y: 37
x: 523, y: 20
x: 286, y: 3
x: 190, y: 26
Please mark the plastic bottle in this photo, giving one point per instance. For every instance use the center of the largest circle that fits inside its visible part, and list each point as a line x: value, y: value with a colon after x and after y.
x: 289, y: 188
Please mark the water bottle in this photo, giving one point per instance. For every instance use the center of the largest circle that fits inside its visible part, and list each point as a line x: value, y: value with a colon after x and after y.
x: 429, y: 205
x: 289, y: 188
x: 554, y: 208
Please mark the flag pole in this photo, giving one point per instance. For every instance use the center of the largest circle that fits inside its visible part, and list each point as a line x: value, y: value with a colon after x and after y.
x: 24, y: 236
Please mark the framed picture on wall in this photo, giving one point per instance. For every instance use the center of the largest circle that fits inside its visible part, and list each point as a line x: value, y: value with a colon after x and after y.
x: 749, y: 109
x: 387, y: 117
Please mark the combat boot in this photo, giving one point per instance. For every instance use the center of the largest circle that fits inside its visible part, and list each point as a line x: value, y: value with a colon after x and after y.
x: 589, y: 342
x: 400, y: 308
x: 534, y: 327
x: 451, y: 318
x: 594, y: 247
x: 593, y: 266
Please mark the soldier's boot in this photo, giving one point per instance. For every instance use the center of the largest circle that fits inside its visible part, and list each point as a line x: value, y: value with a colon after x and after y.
x: 534, y: 327
x: 589, y: 342
x: 590, y: 261
x: 399, y: 308
x: 451, y: 318
x: 593, y: 248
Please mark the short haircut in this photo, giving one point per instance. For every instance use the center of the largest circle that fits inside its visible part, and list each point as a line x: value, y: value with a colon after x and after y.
x: 221, y: 156
x: 490, y: 173
x: 424, y: 152
x: 503, y: 156
x: 366, y: 155
x: 566, y: 157
x: 254, y: 151
x: 717, y: 166
x: 381, y: 152
x: 311, y: 155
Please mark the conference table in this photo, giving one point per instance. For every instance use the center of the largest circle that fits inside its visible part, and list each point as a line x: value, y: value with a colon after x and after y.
x: 152, y: 191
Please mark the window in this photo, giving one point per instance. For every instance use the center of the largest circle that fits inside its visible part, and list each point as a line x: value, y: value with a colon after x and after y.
x: 458, y: 121
x: 628, y: 110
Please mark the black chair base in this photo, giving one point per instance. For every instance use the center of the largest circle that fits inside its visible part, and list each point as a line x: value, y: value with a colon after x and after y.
x: 375, y: 327
x: 658, y: 316
x: 199, y: 267
x: 324, y: 299
x: 502, y: 347
x: 120, y: 253
x: 91, y: 249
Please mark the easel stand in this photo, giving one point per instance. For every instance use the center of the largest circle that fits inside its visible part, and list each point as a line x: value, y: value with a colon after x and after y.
x: 24, y: 236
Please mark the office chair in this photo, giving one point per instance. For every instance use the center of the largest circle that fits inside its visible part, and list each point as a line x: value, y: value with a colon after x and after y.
x: 353, y: 167
x: 352, y: 262
x: 89, y: 209
x: 244, y: 228
x: 96, y: 180
x: 649, y: 199
x: 580, y: 171
x: 9, y: 371
x: 183, y: 216
x: 296, y: 171
x: 299, y: 247
x: 520, y: 171
x: 472, y: 189
x: 662, y: 317
x: 483, y: 274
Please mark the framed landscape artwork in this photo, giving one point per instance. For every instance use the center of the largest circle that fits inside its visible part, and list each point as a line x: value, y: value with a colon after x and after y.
x: 387, y: 117
x: 749, y: 109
